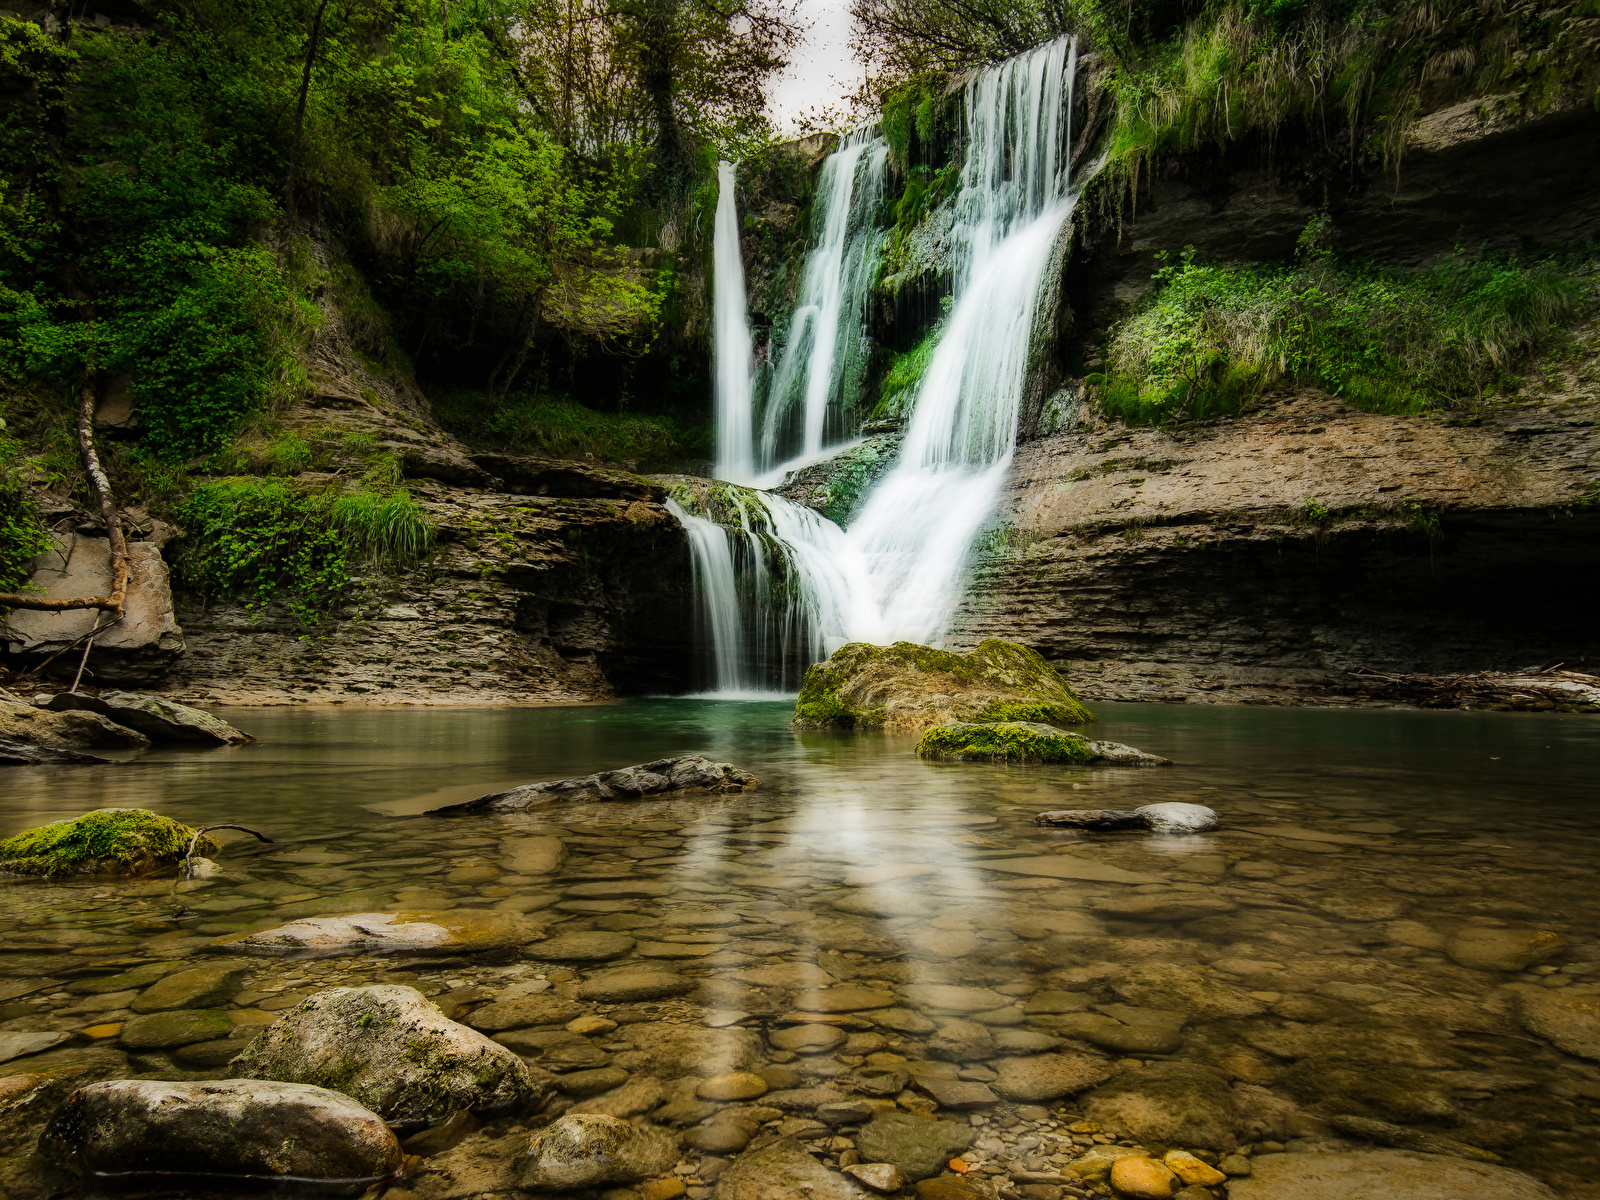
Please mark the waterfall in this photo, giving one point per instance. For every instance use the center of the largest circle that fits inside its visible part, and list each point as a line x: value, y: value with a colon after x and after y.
x: 781, y: 586
x: 773, y: 579
x: 730, y: 342
x: 825, y: 358
x: 917, y: 527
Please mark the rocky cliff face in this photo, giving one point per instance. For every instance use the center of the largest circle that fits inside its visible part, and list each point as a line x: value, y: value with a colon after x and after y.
x: 1274, y: 557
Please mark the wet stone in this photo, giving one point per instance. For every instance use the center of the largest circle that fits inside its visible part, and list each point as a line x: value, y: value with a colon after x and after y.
x: 538, y: 1009
x: 201, y: 987
x: 161, y: 1031
x: 593, y: 1150
x: 591, y: 1082
x: 583, y: 947
x: 949, y: 998
x: 917, y: 1146
x: 627, y: 985
x: 783, y: 1170
x: 1042, y: 1077
x: 808, y: 1039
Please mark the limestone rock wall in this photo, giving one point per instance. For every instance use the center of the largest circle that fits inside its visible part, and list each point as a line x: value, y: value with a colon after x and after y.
x: 1266, y: 559
x: 528, y: 599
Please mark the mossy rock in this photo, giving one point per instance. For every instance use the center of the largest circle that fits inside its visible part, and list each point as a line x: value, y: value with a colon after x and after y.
x: 1027, y: 742
x: 906, y: 688
x: 107, y: 841
x: 1005, y: 741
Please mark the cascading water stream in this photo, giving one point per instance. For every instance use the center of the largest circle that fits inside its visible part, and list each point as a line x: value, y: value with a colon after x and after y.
x: 918, y: 525
x: 782, y: 586
x: 823, y: 364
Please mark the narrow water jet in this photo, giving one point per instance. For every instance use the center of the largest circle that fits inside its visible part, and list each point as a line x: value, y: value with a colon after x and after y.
x: 824, y: 361
x: 731, y: 346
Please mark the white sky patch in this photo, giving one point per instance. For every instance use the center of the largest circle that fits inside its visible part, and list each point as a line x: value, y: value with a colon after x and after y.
x: 822, y: 71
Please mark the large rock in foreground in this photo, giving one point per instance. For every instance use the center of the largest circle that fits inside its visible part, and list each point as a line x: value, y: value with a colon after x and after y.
x: 453, y: 931
x: 665, y: 776
x: 904, y: 688
x: 157, y: 718
x: 389, y: 1048
x: 1381, y: 1175
x: 138, y: 649
x: 221, y: 1127
x: 1027, y: 741
x: 107, y: 841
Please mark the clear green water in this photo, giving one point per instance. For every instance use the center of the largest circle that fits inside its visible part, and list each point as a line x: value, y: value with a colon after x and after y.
x: 1358, y: 849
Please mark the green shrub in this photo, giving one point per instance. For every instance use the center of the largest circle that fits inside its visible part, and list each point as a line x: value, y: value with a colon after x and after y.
x: 1211, y: 337
x: 564, y: 428
x: 259, y: 538
x: 23, y: 536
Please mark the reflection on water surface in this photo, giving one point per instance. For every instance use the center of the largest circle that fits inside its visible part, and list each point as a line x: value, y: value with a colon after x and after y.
x: 1361, y: 939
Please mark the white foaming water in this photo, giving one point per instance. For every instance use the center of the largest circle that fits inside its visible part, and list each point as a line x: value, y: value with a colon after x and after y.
x: 917, y: 527
x: 772, y: 577
x: 826, y: 357
x: 730, y: 342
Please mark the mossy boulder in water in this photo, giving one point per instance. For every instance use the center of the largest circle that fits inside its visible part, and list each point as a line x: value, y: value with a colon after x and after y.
x: 1026, y: 741
x: 107, y: 841
x: 905, y: 688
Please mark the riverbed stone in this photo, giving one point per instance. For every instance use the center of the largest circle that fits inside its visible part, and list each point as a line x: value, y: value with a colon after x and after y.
x: 104, y: 841
x: 553, y: 1049
x: 1172, y: 906
x: 880, y: 1177
x: 1503, y: 949
x: 1381, y: 1175
x: 1567, y: 1018
x: 595, y: 946
x: 592, y: 1082
x: 591, y: 1150
x: 942, y: 997
x: 783, y: 1170
x: 685, y: 774
x: 19, y: 1043
x: 808, y: 1039
x: 843, y: 999
x: 960, y: 1041
x: 918, y: 1146
x: 164, y: 1030
x: 671, y: 1051
x: 1169, y: 1103
x: 803, y: 1099
x: 902, y: 1020
x: 1177, y: 817
x: 625, y: 985
x: 956, y: 1093
x: 1140, y: 1178
x: 455, y: 931
x: 1036, y: 1078
x: 392, y: 1050
x: 540, y: 1008
x: 200, y: 987
x: 225, y: 1127
x: 786, y: 975
x: 1182, y: 989
x: 733, y: 1085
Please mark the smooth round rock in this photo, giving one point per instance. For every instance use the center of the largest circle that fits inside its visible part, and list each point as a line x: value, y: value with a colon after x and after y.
x: 1042, y: 1077
x: 583, y: 947
x: 1382, y: 1175
x: 736, y: 1085
x: 808, y: 1039
x: 164, y: 1030
x: 1173, y: 817
x: 1142, y: 1179
x: 221, y: 1127
x: 625, y: 985
x: 719, y: 1137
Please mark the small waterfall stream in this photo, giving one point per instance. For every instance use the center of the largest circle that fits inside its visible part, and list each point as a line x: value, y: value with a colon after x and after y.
x: 825, y: 360
x: 781, y: 586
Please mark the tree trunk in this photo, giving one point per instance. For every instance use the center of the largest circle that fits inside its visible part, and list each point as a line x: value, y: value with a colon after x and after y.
x: 300, y: 113
x: 101, y: 486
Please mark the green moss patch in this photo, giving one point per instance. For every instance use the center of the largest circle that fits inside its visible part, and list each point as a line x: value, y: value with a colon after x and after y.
x: 127, y: 841
x: 862, y: 685
x: 1006, y: 741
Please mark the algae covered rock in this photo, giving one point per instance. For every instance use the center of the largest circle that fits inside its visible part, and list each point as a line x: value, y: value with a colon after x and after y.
x: 590, y: 1150
x: 219, y: 1127
x: 905, y: 688
x: 107, y: 841
x: 392, y: 1050
x: 688, y: 773
x: 1026, y: 741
